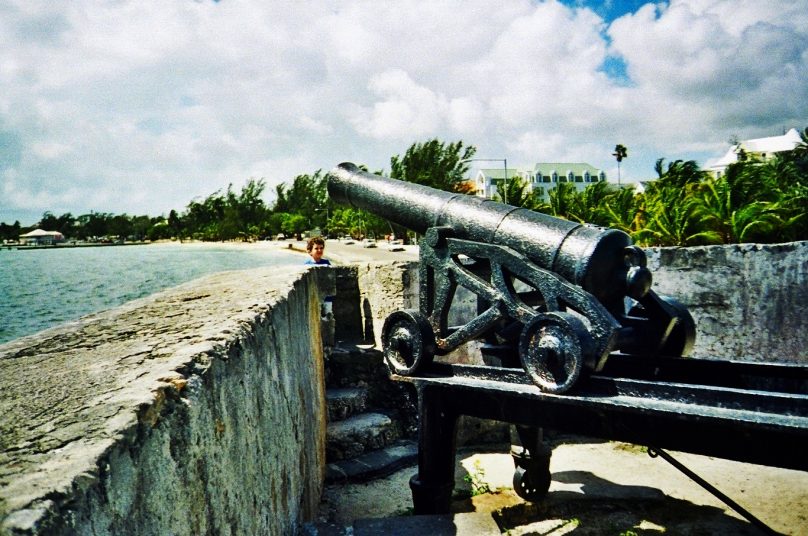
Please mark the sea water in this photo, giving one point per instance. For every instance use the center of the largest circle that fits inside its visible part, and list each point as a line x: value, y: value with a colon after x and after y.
x: 42, y: 288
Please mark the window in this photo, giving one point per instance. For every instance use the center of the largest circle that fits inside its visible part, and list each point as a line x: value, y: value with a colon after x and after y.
x: 578, y: 178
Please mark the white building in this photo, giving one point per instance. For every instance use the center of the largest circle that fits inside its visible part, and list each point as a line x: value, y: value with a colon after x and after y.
x: 543, y: 177
x: 759, y: 149
x: 38, y: 237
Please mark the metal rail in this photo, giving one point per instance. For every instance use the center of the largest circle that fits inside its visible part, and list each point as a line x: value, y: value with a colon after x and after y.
x: 748, y: 412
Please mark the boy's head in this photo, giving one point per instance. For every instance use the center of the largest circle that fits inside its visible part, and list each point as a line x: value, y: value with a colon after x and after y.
x: 316, y: 246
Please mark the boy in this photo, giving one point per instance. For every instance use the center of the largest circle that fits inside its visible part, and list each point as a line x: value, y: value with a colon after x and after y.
x: 316, y: 246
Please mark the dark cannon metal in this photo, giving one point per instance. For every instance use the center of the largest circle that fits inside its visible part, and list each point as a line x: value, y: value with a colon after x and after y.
x: 573, y: 338
x: 552, y: 292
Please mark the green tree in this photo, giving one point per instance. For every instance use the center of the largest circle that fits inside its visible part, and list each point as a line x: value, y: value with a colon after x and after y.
x: 307, y: 197
x: 515, y: 190
x: 671, y: 220
x: 725, y: 221
x: 10, y: 232
x: 679, y: 173
x: 141, y: 226
x: 48, y: 222
x: 294, y: 225
x: 174, y: 223
x: 592, y: 202
x: 564, y: 201
x: 624, y: 210
x: 434, y: 163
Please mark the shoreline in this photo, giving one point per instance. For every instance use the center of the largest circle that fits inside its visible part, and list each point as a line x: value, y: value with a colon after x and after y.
x: 337, y: 251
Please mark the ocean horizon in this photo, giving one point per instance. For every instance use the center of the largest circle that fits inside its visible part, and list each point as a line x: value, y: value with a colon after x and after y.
x: 43, y: 288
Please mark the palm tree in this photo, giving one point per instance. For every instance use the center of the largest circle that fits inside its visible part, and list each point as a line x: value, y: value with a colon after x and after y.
x: 515, y: 191
x: 563, y: 201
x: 672, y: 220
x: 620, y: 152
x: 679, y: 173
x: 624, y: 210
x: 592, y: 202
x: 727, y: 222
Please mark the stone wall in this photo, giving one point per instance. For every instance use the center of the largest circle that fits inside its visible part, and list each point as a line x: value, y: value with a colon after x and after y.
x: 379, y: 288
x: 199, y: 410
x: 749, y: 301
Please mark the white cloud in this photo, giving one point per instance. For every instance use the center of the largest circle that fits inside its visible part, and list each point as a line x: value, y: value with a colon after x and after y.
x: 140, y: 107
x: 730, y: 64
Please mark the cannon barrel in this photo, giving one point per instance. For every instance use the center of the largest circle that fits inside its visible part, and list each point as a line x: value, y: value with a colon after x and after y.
x: 601, y: 261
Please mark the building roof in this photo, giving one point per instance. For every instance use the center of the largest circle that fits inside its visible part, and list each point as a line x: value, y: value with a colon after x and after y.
x: 772, y: 144
x: 499, y: 173
x: 39, y: 233
x: 545, y: 168
x: 562, y: 168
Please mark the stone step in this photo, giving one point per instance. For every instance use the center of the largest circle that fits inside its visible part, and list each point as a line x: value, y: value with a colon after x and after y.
x: 343, y: 402
x: 374, y: 464
x: 359, y: 434
x: 477, y: 523
x: 353, y: 366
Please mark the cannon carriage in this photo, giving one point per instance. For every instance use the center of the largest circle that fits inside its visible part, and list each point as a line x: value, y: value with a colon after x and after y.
x: 554, y: 297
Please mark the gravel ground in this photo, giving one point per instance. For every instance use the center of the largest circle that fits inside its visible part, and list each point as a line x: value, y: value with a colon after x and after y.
x: 601, y: 488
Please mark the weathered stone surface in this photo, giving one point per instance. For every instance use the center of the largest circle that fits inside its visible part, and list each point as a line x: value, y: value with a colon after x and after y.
x: 344, y: 402
x: 750, y: 301
x: 197, y: 410
x: 360, y: 433
x: 385, y: 287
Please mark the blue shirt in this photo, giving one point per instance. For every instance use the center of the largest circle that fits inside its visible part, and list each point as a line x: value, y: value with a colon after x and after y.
x: 325, y: 262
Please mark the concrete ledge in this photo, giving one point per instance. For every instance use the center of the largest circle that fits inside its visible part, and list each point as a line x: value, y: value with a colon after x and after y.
x: 197, y: 410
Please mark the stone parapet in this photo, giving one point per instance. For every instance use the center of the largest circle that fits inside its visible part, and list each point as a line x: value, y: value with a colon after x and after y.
x: 198, y: 410
x: 749, y: 301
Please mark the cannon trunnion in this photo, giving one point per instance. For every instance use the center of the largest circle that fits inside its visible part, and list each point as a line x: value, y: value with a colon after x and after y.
x: 554, y: 297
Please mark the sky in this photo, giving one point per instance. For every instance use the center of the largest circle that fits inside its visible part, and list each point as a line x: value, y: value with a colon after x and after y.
x: 141, y: 106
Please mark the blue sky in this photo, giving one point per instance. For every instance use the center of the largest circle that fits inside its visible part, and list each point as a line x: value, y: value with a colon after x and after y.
x: 613, y: 65
x: 139, y: 107
x: 609, y: 10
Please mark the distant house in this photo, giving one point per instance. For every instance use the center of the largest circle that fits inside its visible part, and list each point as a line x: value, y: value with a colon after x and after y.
x: 543, y: 177
x: 759, y: 149
x: 38, y: 237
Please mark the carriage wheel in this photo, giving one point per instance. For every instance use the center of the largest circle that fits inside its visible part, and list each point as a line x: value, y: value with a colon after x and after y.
x: 551, y: 350
x: 530, y: 485
x: 408, y: 342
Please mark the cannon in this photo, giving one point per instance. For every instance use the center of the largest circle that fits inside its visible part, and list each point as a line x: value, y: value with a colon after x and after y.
x: 572, y: 339
x: 554, y: 296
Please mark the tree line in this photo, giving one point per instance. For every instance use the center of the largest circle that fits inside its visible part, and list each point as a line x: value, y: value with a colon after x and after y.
x: 752, y: 201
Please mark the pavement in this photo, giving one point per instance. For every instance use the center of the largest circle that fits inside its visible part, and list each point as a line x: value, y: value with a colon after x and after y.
x: 598, y: 488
